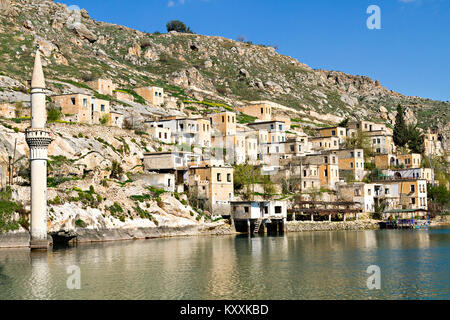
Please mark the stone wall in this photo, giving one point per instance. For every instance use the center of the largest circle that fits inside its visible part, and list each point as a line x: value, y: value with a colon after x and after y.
x: 300, y: 226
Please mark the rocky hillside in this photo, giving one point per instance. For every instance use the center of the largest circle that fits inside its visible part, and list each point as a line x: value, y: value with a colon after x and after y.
x: 86, y: 191
x: 189, y: 66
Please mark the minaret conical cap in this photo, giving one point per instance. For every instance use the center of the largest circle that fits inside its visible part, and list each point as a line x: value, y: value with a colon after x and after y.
x: 38, y: 80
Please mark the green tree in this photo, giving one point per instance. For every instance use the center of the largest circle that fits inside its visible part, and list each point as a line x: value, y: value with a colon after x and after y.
x: 415, y: 140
x: 269, y: 188
x: 245, y: 178
x: 178, y: 26
x: 53, y: 113
x: 116, y: 170
x: 400, y: 128
x: 360, y: 141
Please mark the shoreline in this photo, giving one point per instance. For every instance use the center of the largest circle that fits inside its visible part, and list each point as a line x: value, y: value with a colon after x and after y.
x: 20, y: 239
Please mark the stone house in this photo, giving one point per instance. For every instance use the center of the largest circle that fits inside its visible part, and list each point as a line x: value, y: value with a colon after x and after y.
x: 432, y: 145
x: 213, y: 187
x: 251, y: 148
x: 386, y: 161
x: 165, y: 181
x: 362, y: 193
x: 154, y: 95
x: 365, y: 126
x: 83, y: 108
x: 276, y: 130
x: 381, y: 142
x: 324, y: 143
x: 190, y: 131
x: 224, y: 122
x: 339, y: 132
x: 312, y: 171
x: 260, y: 109
x: 159, y: 133
x: 176, y: 163
x: 103, y: 86
x: 422, y: 173
x: 115, y: 119
x: 296, y: 147
x: 253, y: 210
x: 351, y: 161
x: 403, y: 194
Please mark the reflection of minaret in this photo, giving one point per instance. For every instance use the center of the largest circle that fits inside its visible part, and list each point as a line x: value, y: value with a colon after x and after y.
x: 38, y: 139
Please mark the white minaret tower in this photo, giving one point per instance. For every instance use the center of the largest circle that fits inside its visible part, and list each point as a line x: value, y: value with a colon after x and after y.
x: 38, y: 139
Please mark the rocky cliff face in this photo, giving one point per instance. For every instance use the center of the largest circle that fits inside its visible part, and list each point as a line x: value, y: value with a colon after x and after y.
x: 210, y: 68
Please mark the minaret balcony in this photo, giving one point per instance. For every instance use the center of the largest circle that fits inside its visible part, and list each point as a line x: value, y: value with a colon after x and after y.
x: 38, y: 138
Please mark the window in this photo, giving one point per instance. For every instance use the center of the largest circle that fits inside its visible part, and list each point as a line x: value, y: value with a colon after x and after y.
x: 335, y: 143
x: 378, y: 140
x: 156, y: 94
x: 85, y: 104
x: 280, y: 127
x: 262, y: 110
x: 369, y: 192
x: 73, y: 101
x: 102, y: 108
x: 271, y: 127
x: 352, y: 154
x: 374, y: 141
x: 359, y: 154
x: 333, y: 132
x: 351, y: 165
x: 342, y: 133
x: 413, y: 188
x: 304, y: 173
x: 160, y: 135
x: 292, y: 148
x: 386, y: 191
x: 219, y: 177
x: 278, y: 209
x: 325, y: 173
x: 168, y: 182
x: 325, y: 159
x: 229, y: 177
x: 413, y: 200
x: 165, y: 135
x: 246, y: 209
x: 223, y: 118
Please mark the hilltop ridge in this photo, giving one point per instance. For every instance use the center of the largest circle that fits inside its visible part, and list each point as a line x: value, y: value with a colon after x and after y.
x: 78, y: 48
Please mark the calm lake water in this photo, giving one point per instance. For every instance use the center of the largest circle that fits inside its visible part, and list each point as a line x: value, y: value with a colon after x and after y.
x: 310, y: 265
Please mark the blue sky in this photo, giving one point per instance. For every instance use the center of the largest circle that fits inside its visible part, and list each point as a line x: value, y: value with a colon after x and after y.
x: 410, y: 54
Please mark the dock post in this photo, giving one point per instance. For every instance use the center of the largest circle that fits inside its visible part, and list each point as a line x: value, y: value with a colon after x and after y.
x: 356, y: 216
x: 329, y: 217
x: 312, y: 218
x: 345, y: 218
x: 249, y: 229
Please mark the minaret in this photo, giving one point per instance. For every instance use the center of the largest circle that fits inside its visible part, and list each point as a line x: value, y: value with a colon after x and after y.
x: 38, y: 139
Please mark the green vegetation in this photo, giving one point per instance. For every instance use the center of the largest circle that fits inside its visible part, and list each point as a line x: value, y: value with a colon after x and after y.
x: 178, y: 26
x: 7, y: 210
x: 400, y: 128
x: 137, y: 97
x: 80, y: 223
x: 245, y: 178
x: 243, y: 118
